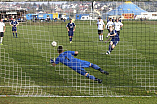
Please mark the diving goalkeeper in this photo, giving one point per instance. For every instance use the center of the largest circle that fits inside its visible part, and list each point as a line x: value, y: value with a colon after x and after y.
x: 67, y: 58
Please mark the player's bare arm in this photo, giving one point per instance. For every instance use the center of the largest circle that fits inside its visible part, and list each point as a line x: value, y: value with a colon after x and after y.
x: 113, y: 34
x: 4, y: 29
x: 67, y: 28
x: 74, y: 28
x: 11, y: 24
x: 17, y: 24
x: 104, y: 27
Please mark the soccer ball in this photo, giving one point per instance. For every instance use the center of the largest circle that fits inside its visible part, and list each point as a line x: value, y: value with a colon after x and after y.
x: 54, y: 44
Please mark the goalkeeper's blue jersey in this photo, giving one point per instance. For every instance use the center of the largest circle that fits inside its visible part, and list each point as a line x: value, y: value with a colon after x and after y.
x: 68, y: 59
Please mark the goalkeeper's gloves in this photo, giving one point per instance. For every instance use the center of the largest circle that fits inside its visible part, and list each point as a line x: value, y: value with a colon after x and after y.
x: 51, y: 61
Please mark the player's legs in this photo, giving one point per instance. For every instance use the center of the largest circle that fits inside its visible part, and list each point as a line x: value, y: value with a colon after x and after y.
x: 16, y: 34
x: 112, y: 46
x: 118, y: 32
x: 108, y: 33
x: 94, y: 66
x: 13, y: 31
x: 1, y: 35
x: 70, y: 36
x: 86, y: 64
x: 84, y: 73
x: 70, y: 39
x: 101, y: 35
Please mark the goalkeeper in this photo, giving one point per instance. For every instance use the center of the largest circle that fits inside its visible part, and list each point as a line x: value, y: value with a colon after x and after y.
x: 67, y: 58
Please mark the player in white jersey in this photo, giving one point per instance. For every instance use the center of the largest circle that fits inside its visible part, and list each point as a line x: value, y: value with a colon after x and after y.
x: 2, y: 30
x: 118, y: 25
x: 101, y: 27
x: 110, y: 23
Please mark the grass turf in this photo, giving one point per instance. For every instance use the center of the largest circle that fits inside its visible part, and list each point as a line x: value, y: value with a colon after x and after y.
x: 131, y: 65
x: 106, y: 100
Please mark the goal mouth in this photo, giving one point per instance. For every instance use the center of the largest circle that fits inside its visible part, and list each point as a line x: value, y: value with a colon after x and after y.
x: 127, y: 53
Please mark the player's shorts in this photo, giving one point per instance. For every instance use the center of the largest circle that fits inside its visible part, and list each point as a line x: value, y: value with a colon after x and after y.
x: 115, y: 42
x: 14, y: 28
x: 108, y: 30
x: 100, y: 31
x: 1, y: 34
x: 118, y: 32
x: 70, y: 33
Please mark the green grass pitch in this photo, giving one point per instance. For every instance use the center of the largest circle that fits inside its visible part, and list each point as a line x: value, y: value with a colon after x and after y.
x: 131, y: 65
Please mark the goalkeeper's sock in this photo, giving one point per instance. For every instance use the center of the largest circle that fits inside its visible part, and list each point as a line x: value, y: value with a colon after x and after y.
x: 99, y: 80
x: 90, y: 77
x: 94, y: 66
x: 110, y: 47
x: 102, y: 71
x: 13, y: 34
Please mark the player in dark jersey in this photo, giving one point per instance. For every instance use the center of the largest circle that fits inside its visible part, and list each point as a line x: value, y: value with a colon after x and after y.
x: 71, y: 28
x: 114, y: 39
x: 14, y: 24
x: 67, y: 58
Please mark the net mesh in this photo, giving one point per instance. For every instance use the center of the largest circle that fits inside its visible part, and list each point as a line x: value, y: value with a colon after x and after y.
x: 25, y: 68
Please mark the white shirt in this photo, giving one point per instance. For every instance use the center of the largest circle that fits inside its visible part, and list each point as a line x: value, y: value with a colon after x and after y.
x: 1, y: 26
x: 100, y: 25
x: 110, y: 23
x: 117, y: 25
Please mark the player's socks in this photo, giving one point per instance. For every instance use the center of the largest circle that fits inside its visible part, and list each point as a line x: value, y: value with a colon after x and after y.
x: 108, y: 52
x: 110, y: 47
x: 16, y: 34
x: 94, y: 66
x: 102, y: 37
x: 13, y: 34
x: 70, y: 39
x: 1, y: 39
x: 99, y: 37
x: 90, y: 77
x: 102, y: 71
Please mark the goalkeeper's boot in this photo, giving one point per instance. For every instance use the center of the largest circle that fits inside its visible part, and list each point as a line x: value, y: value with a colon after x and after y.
x: 98, y: 80
x: 1, y: 44
x: 103, y: 72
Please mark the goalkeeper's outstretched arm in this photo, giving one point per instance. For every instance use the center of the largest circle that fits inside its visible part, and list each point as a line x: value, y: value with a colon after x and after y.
x: 52, y: 62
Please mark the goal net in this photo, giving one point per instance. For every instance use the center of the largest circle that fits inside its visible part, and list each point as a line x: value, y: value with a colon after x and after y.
x: 25, y: 68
